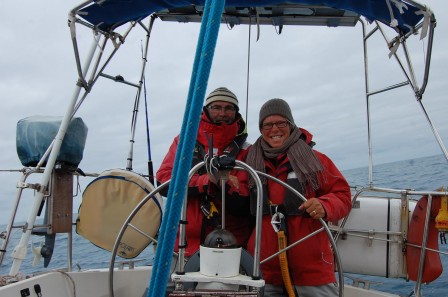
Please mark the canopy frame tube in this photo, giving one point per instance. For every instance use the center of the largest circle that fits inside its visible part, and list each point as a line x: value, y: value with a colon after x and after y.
x: 408, y: 70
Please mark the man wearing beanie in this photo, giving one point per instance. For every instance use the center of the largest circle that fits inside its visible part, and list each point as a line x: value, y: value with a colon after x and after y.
x: 221, y: 123
x: 286, y: 152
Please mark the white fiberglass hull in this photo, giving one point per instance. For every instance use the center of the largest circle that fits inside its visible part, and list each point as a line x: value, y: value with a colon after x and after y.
x: 94, y: 283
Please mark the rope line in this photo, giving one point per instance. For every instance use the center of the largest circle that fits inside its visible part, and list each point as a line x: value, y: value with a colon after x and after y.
x: 178, y: 186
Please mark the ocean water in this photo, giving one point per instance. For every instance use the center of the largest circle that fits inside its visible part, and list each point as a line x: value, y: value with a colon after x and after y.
x: 428, y: 173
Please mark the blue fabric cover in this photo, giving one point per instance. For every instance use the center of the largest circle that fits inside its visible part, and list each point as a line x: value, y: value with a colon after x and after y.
x: 34, y: 134
x: 108, y: 14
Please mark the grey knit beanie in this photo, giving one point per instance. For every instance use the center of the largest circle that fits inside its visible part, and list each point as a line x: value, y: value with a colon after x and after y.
x: 221, y: 94
x: 275, y: 107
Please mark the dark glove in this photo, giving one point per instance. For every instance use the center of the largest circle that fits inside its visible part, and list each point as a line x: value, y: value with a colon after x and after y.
x: 223, y: 162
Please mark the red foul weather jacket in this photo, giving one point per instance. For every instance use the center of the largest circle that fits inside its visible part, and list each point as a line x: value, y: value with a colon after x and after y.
x: 238, y: 219
x: 311, y: 262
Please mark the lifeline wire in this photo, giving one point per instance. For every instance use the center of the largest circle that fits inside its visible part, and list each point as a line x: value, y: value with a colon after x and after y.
x: 201, y: 70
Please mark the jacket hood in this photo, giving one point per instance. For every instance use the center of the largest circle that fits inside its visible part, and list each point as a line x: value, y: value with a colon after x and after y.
x: 242, y: 129
x: 223, y: 134
x: 307, y: 137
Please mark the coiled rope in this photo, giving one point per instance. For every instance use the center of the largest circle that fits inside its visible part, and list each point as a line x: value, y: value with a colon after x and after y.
x: 198, y: 84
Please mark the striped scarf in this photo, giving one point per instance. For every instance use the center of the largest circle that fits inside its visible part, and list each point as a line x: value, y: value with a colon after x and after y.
x: 303, y: 160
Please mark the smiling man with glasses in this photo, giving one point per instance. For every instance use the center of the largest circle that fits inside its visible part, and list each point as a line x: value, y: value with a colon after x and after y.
x: 222, y: 106
x: 222, y: 126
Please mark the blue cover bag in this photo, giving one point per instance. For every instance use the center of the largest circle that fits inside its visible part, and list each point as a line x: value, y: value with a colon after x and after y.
x: 34, y: 134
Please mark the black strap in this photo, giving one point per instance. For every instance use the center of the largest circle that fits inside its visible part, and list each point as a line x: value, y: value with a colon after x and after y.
x: 231, y: 150
x: 234, y: 147
x: 290, y: 206
x: 203, y: 228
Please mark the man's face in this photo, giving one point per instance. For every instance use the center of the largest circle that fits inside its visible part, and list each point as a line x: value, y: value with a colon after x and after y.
x: 222, y: 112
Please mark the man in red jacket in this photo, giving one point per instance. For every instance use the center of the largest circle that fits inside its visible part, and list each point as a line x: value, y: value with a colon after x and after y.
x: 222, y: 126
x: 285, y: 151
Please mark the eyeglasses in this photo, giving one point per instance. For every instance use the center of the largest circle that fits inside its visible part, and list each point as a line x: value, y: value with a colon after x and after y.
x: 218, y: 108
x: 270, y: 125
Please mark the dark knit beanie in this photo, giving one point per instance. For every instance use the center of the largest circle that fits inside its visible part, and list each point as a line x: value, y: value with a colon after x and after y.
x: 275, y: 107
x: 221, y: 94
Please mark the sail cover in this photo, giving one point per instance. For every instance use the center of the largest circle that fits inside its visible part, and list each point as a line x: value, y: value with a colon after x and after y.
x: 402, y: 15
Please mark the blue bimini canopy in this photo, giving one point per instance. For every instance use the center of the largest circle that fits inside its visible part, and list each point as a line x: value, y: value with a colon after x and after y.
x: 401, y: 15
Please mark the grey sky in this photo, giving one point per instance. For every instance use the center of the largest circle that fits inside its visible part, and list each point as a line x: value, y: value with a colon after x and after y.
x: 318, y: 70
